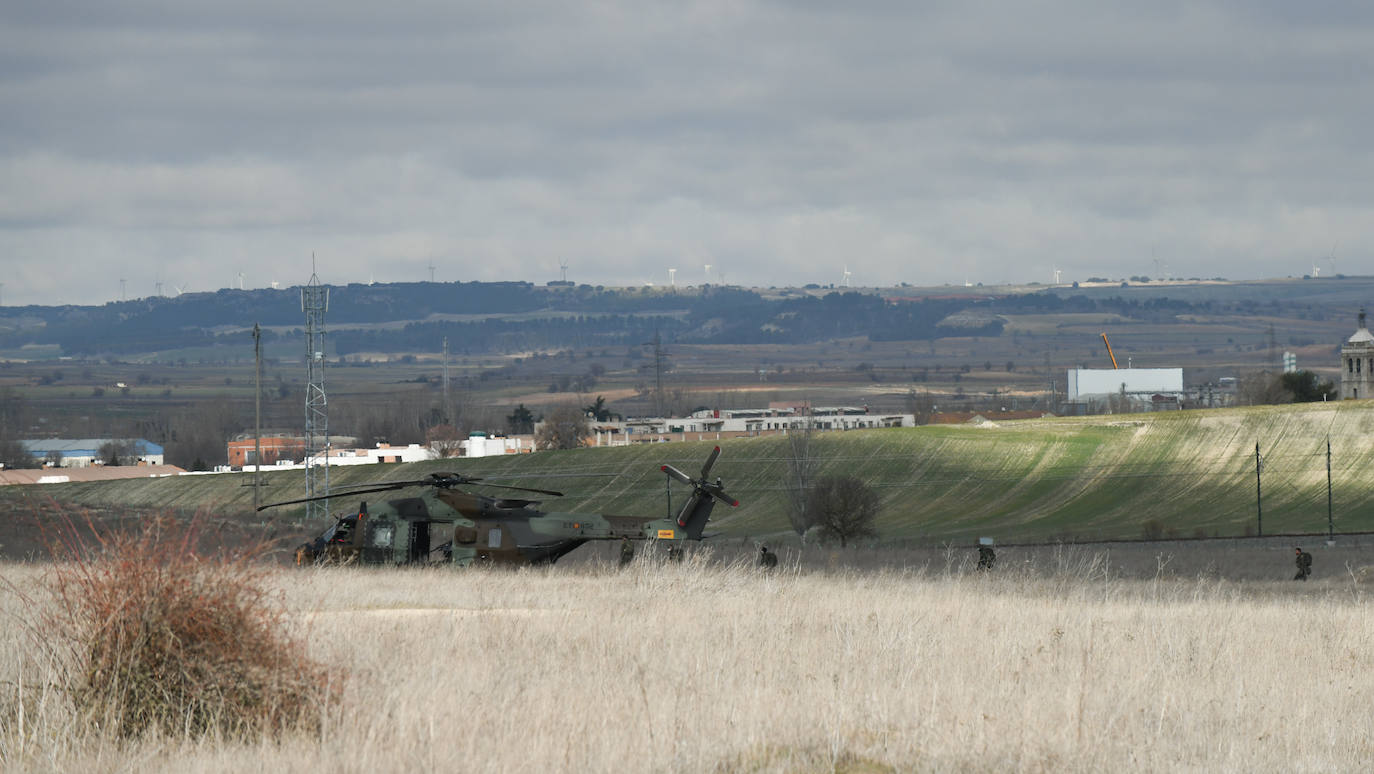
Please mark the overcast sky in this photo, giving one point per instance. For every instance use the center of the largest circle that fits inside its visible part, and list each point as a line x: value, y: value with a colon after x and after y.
x: 187, y: 142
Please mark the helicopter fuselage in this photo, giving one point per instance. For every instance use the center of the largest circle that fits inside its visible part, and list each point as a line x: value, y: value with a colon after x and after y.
x: 460, y: 528
x: 448, y: 524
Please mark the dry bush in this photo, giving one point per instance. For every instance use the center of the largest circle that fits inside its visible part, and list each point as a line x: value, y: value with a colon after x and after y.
x: 155, y: 637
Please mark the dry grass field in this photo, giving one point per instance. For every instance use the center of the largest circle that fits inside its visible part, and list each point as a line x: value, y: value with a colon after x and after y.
x: 1055, y: 662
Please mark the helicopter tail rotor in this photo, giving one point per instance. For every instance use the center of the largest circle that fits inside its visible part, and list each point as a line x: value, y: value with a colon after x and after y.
x: 697, y: 510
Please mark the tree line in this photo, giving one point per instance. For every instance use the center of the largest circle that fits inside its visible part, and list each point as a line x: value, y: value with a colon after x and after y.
x: 529, y: 317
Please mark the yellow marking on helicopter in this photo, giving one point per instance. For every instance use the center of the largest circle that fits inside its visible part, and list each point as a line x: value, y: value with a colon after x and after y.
x: 665, y: 534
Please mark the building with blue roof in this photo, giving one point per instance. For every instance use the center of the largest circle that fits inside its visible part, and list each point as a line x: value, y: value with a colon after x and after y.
x: 84, y: 452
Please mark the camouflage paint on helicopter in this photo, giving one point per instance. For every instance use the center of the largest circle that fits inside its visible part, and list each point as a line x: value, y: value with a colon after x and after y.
x: 450, y: 525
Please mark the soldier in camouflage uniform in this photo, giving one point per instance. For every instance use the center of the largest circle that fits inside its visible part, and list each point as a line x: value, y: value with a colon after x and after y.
x: 767, y: 559
x: 627, y: 551
x: 986, y: 557
x: 1304, y: 563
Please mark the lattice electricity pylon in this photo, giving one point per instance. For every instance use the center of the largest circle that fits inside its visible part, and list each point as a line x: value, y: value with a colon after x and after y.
x: 315, y: 302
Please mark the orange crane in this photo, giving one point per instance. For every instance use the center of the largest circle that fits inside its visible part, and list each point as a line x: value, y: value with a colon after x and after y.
x: 1109, y: 351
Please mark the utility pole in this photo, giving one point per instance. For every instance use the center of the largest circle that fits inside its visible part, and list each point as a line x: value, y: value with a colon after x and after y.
x: 447, y: 411
x: 1259, y: 510
x: 257, y: 414
x: 1330, y: 523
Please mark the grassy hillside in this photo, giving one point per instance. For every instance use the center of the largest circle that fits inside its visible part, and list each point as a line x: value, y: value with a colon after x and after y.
x: 1191, y: 473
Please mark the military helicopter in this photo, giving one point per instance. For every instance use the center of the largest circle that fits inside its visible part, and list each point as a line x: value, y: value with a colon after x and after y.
x: 450, y: 525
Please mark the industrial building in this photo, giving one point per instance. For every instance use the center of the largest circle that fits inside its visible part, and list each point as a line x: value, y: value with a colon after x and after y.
x: 85, y: 452
x: 1143, y: 389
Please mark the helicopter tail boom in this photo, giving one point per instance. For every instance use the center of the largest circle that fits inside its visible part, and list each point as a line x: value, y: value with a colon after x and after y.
x: 695, y: 514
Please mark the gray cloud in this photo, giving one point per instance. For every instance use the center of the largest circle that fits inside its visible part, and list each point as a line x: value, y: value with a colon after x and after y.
x: 777, y: 141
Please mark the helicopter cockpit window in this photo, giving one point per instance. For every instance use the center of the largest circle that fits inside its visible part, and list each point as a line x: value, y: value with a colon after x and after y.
x: 382, y: 534
x: 494, y: 538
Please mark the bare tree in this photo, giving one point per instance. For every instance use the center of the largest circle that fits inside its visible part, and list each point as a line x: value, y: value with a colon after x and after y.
x: 443, y: 440
x: 13, y: 454
x: 1262, y: 389
x: 197, y: 439
x: 119, y: 451
x: 920, y: 405
x: 677, y: 402
x: 844, y: 508
x: 801, y: 472
x: 400, y: 419
x: 565, y: 428
x: 459, y: 410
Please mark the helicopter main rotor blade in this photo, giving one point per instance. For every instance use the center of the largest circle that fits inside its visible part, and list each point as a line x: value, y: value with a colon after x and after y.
x: 711, y: 460
x: 560, y: 475
x: 334, y: 495
x: 525, y: 489
x: 390, y: 484
x: 679, y: 475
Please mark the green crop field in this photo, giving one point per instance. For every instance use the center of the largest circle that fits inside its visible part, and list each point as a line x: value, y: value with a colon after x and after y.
x: 1180, y: 474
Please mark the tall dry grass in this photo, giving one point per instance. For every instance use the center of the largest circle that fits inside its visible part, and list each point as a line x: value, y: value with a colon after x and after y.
x: 708, y: 666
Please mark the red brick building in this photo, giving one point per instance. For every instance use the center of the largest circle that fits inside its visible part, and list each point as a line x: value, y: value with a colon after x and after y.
x: 273, y: 448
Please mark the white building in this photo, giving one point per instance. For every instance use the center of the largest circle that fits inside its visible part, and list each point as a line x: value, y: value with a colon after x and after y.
x: 383, y: 452
x: 724, y: 423
x: 479, y: 444
x: 343, y: 457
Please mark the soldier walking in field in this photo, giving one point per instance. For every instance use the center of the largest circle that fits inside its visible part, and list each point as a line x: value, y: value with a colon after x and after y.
x: 627, y: 551
x: 1304, y: 562
x: 767, y: 559
x: 986, y: 557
